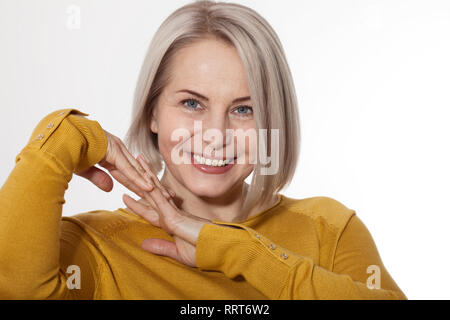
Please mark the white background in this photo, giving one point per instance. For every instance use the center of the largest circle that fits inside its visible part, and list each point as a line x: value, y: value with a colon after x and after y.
x: 372, y: 79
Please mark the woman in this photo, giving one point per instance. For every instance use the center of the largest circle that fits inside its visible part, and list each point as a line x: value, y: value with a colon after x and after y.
x: 201, y: 232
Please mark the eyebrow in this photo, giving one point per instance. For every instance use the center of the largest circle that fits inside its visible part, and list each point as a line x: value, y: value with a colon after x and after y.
x: 206, y: 99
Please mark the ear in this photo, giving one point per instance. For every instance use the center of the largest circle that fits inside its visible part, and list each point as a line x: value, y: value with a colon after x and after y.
x: 154, y: 121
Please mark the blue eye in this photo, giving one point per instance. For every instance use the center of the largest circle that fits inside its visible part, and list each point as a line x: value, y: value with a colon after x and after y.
x: 191, y: 103
x: 241, y: 111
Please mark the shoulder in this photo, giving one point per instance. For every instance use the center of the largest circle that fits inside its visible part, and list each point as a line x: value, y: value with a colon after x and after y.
x: 320, y: 209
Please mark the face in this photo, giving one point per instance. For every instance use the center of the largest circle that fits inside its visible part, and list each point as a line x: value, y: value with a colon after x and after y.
x: 207, y: 96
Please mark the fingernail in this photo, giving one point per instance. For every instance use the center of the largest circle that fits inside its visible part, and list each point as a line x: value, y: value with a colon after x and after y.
x: 167, y: 195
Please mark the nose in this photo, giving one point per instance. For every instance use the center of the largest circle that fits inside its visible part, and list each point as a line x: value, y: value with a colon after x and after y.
x: 215, y: 139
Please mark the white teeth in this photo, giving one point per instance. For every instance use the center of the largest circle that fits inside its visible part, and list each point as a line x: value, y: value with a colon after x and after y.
x: 209, y: 162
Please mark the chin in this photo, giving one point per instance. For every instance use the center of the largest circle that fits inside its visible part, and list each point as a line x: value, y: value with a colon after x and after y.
x: 208, y: 191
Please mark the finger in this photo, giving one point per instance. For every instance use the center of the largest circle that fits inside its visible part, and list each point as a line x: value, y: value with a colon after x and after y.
x: 131, y: 172
x: 98, y: 177
x: 171, y: 220
x: 148, y: 170
x: 147, y: 174
x: 136, y: 164
x: 161, y: 188
x: 144, y: 211
x: 119, y: 176
x: 161, y: 247
x: 172, y: 193
x: 157, y: 193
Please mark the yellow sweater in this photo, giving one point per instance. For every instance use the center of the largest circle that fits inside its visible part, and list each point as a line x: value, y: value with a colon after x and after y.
x: 313, y: 248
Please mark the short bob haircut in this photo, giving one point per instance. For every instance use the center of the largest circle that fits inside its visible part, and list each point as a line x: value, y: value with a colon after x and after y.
x: 269, y: 80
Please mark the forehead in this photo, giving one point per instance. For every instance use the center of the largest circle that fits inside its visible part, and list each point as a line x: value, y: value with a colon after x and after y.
x: 209, y: 63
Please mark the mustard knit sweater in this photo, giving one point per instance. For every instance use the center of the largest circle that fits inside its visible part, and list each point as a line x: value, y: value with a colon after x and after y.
x: 313, y: 248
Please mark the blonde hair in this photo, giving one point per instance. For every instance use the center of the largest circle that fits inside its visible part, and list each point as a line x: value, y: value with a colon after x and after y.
x: 269, y: 80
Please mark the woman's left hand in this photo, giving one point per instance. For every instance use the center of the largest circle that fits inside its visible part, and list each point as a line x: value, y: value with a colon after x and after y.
x: 182, y: 226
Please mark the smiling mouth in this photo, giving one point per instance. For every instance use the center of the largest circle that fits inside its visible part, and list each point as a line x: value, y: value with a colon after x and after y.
x: 211, y: 161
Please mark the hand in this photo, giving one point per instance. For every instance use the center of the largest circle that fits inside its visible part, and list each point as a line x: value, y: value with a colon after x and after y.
x: 184, y: 227
x: 123, y: 167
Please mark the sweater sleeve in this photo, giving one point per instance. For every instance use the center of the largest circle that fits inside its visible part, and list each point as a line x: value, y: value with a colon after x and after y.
x: 281, y: 274
x: 31, y: 203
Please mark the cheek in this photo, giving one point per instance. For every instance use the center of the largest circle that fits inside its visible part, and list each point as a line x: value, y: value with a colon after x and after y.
x: 166, y: 145
x: 247, y: 145
x: 176, y: 126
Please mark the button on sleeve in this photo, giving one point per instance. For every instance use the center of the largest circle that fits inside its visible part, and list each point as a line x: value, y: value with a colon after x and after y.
x: 282, y: 274
x: 74, y: 141
x: 48, y: 125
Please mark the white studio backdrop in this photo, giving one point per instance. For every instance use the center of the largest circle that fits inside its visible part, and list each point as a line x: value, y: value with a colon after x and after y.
x: 372, y: 79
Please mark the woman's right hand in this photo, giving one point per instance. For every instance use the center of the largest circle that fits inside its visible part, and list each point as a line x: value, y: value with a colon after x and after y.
x: 124, y: 168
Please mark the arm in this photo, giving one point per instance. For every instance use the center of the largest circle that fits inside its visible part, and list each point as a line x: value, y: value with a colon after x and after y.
x: 281, y: 274
x: 31, y: 202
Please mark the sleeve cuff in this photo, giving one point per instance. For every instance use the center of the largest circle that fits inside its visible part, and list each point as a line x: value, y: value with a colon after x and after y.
x: 240, y: 250
x: 75, y: 141
x: 97, y: 142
